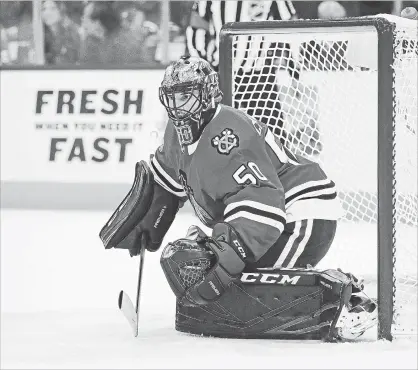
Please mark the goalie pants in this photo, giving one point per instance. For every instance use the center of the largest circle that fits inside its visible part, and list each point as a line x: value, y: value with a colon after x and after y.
x: 301, y: 243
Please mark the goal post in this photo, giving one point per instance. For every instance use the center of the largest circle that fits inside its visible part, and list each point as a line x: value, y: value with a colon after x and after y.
x: 343, y: 93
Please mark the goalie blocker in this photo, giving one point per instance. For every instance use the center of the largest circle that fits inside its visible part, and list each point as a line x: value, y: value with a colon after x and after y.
x: 143, y: 217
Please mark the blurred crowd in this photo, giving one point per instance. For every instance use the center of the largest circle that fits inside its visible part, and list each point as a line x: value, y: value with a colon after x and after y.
x: 91, y: 32
x: 130, y: 32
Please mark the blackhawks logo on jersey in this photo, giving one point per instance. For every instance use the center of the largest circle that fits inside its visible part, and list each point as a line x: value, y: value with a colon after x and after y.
x: 225, y: 142
x: 200, y: 212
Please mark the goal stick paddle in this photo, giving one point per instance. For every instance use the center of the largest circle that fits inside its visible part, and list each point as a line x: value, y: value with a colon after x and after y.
x: 125, y: 304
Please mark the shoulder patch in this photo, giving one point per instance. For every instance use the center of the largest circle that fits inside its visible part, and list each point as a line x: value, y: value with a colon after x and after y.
x: 225, y: 142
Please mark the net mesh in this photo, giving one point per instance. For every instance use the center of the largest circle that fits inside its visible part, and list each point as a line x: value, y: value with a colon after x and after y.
x: 318, y: 90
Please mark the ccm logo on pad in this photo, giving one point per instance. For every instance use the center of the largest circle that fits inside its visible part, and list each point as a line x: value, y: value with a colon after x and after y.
x: 256, y: 277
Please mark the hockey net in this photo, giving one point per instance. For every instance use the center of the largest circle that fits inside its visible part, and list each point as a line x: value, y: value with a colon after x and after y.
x: 317, y: 88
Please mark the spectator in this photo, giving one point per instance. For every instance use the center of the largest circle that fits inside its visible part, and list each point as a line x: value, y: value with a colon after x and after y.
x: 331, y: 10
x: 409, y: 13
x: 16, y: 17
x: 145, y: 32
x: 312, y: 9
x: 367, y: 8
x: 106, y: 41
x: 151, y: 10
x: 4, y: 46
x: 180, y: 12
x: 62, y: 36
x: 75, y: 10
x: 407, y: 4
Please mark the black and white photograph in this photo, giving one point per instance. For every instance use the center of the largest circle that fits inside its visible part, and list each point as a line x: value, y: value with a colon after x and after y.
x: 204, y: 184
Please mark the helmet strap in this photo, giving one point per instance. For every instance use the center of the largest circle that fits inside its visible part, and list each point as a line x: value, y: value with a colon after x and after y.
x: 207, y: 116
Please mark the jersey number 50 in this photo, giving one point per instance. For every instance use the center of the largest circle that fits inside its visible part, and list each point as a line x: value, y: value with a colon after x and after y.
x: 248, y: 174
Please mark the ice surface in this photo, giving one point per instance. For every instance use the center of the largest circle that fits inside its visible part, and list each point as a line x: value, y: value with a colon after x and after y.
x: 59, y: 291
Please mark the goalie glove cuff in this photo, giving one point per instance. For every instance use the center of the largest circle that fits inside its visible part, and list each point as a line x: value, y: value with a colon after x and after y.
x: 231, y: 255
x: 224, y: 233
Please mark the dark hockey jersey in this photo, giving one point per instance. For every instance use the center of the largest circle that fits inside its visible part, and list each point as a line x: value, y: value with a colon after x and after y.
x: 238, y: 172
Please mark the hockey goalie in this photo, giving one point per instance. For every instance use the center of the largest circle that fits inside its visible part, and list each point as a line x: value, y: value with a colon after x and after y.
x: 273, y: 217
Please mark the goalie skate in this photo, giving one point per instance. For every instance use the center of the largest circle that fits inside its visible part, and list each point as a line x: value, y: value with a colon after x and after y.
x: 357, y: 317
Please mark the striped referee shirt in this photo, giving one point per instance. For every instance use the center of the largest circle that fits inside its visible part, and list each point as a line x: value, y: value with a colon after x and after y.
x: 204, y: 43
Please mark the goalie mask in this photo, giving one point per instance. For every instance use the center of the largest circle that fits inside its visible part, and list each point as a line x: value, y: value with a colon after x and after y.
x: 190, y: 88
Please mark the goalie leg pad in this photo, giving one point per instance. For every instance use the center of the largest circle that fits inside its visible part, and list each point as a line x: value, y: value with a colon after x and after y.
x: 282, y: 304
x: 143, y: 217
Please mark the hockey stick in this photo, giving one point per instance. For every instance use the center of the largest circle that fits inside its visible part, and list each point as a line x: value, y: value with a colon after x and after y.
x: 125, y: 303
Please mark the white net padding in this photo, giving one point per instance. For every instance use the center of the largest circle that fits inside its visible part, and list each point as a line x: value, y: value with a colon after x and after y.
x: 318, y: 89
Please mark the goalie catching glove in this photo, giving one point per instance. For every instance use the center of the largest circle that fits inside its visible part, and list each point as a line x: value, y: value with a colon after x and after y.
x: 199, y: 268
x: 143, y: 217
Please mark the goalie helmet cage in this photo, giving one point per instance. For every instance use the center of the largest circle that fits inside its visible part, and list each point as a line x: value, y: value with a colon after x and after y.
x: 346, y: 96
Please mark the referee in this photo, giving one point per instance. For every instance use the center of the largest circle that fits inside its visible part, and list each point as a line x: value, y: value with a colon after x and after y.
x: 257, y: 92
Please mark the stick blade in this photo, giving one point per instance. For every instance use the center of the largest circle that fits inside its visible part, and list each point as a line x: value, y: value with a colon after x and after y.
x: 128, y: 309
